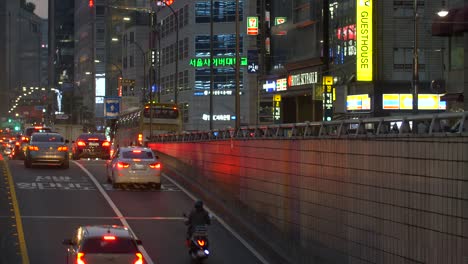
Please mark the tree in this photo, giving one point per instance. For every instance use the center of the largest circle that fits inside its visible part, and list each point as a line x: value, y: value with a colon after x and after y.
x: 28, y: 6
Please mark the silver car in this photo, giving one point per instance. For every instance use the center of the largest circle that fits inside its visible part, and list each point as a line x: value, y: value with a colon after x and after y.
x: 134, y: 165
x: 103, y: 244
x: 47, y: 149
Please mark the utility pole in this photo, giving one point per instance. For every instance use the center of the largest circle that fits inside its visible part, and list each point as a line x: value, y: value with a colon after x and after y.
x: 415, y: 60
x: 211, y: 65
x: 51, y: 67
x: 237, y: 69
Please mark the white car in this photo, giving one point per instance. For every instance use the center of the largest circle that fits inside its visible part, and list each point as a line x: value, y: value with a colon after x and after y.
x: 103, y: 244
x: 134, y: 165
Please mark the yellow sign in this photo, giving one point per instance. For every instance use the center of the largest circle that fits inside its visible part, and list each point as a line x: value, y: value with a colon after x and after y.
x: 328, y: 80
x: 277, y: 98
x: 390, y: 101
x: 428, y: 101
x: 364, y: 56
x: 406, y: 101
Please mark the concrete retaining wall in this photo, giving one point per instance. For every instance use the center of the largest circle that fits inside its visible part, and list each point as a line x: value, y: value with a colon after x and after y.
x: 391, y: 200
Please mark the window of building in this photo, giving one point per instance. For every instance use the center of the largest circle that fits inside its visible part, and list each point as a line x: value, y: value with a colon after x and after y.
x: 34, y: 27
x: 124, y: 40
x: 225, y: 79
x: 403, y: 59
x: 132, y: 37
x: 457, y: 52
x: 100, y: 10
x: 186, y: 16
x: 186, y: 48
x: 125, y: 62
x: 185, y: 81
x: 131, y: 61
x: 171, y: 53
x: 181, y: 49
x: 404, y: 8
x: 223, y: 45
x: 224, y: 11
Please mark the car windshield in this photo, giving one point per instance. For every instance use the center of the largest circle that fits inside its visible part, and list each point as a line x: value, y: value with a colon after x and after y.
x: 46, y: 138
x: 137, y: 154
x: 117, y: 246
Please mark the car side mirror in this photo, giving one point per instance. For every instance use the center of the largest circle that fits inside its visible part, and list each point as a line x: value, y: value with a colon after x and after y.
x: 157, y: 156
x: 67, y: 242
x: 67, y: 141
x: 138, y: 242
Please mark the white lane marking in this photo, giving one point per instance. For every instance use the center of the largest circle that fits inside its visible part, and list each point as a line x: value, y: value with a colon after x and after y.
x: 99, y: 217
x: 221, y: 221
x: 116, y: 210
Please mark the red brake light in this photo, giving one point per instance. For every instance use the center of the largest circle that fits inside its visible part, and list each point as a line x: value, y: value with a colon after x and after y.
x: 136, y: 151
x: 93, y: 139
x: 34, y: 148
x: 79, y: 258
x: 201, y: 243
x: 156, y: 165
x: 17, y: 143
x: 62, y: 148
x: 81, y: 143
x: 139, y: 259
x: 122, y: 165
x: 106, y: 144
x: 109, y: 237
x: 37, y: 127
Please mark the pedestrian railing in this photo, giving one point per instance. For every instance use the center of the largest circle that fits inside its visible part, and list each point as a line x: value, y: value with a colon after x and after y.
x: 416, y: 125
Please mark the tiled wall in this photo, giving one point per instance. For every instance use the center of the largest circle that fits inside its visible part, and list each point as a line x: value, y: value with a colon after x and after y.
x: 394, y: 200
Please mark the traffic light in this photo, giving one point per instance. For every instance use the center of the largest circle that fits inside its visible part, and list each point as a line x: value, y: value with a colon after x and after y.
x: 91, y: 3
x: 164, y: 2
x: 9, y: 120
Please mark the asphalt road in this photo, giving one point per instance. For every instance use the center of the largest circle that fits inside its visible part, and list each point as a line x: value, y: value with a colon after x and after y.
x: 53, y: 202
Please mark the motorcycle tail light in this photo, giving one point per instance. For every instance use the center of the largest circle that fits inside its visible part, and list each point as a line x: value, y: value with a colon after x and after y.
x: 201, y: 243
x: 139, y: 259
x: 79, y: 258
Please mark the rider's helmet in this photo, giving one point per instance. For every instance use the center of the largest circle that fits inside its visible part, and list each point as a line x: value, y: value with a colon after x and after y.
x: 199, y: 205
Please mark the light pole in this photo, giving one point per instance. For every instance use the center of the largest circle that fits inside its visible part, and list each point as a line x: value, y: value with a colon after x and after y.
x: 415, y: 59
x: 176, y: 90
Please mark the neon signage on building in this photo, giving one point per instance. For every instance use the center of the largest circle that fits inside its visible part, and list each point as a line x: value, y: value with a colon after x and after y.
x: 217, y: 62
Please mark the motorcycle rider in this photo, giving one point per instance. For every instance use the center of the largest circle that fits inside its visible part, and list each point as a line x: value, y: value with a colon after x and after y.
x: 197, y: 217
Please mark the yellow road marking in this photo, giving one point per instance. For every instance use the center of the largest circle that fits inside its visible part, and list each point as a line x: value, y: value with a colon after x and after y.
x: 19, y: 223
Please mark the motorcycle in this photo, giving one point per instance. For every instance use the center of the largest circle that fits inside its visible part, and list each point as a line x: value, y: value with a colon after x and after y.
x: 198, y: 243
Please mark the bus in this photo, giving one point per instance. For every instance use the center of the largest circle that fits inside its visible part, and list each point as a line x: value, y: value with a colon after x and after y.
x: 135, y: 125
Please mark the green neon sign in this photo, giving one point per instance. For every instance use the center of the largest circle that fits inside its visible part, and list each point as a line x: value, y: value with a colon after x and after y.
x: 217, y: 62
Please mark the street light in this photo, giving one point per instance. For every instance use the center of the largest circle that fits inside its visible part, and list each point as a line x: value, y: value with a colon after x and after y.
x: 443, y: 12
x: 168, y: 3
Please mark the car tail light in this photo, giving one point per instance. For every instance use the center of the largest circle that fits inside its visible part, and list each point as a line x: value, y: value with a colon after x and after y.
x: 106, y: 144
x: 62, y: 148
x: 17, y: 143
x: 108, y: 237
x: 155, y: 165
x: 139, y: 259
x: 79, y: 258
x: 201, y: 243
x: 33, y: 148
x: 81, y: 143
x: 93, y: 139
x: 136, y: 151
x: 122, y: 165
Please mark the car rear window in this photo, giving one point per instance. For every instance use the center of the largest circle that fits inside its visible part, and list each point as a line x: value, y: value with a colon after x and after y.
x: 46, y: 138
x: 136, y: 154
x: 117, y: 246
x: 31, y: 130
x: 92, y: 136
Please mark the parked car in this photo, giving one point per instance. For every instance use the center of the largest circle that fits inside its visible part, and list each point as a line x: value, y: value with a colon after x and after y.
x: 103, y: 244
x: 91, y: 145
x: 47, y: 149
x: 134, y: 165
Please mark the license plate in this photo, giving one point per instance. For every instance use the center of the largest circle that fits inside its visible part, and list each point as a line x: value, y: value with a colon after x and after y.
x: 93, y: 144
x: 139, y: 167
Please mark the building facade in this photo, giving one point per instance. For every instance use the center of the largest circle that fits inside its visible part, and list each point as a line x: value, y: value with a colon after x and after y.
x: 193, y: 55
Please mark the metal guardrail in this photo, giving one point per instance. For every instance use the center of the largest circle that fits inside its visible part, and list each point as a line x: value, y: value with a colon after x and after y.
x: 426, y: 125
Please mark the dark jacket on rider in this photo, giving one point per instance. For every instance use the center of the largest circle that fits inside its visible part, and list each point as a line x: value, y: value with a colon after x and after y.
x: 197, y: 217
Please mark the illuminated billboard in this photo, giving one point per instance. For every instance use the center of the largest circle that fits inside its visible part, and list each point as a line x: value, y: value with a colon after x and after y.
x: 364, y: 36
x: 358, y: 102
x: 405, y: 102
